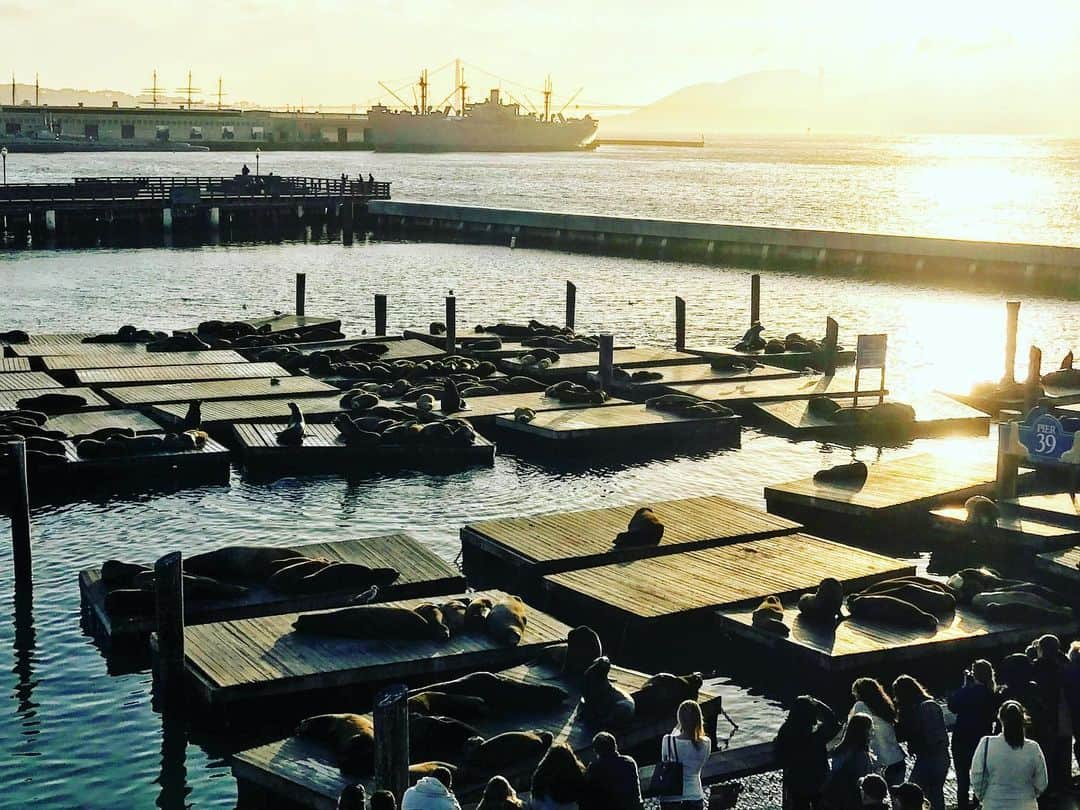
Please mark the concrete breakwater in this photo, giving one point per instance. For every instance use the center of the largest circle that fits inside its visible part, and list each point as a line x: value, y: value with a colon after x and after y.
x: 1054, y: 268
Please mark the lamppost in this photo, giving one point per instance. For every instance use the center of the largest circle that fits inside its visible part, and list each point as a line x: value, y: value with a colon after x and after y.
x: 3, y: 154
x: 257, y: 151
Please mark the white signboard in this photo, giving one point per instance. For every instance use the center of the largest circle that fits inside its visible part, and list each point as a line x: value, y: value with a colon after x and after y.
x: 870, y: 351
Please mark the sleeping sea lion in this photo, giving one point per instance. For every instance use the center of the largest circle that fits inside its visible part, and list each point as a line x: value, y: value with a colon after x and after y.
x: 130, y: 602
x: 582, y: 649
x: 604, y: 705
x: 895, y: 582
x: 477, y: 612
x: 928, y: 600
x: 511, y: 748
x: 967, y: 582
x: 418, y: 770
x: 645, y: 529
x: 822, y: 407
x: 371, y: 622
x: 37, y: 417
x: 981, y: 511
x: 890, y: 610
x: 852, y: 475
x: 769, y: 616
x: 502, y: 693
x: 1012, y: 597
x: 336, y: 576
x: 253, y: 564
x: 293, y: 434
x: 359, y: 401
x: 425, y: 403
x: 506, y: 621
x: 662, y: 693
x: 453, y: 614
x: 434, y: 616
x: 824, y: 605
x: 52, y: 403
x: 524, y: 415
x: 1026, y: 613
x: 435, y: 737
x: 461, y: 707
x: 350, y: 736
x: 14, y: 336
x: 119, y: 574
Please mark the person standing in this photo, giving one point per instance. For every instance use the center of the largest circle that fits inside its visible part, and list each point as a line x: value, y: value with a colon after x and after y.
x: 974, y: 705
x: 558, y: 783
x: 689, y: 745
x: 802, y: 751
x: 1008, y: 771
x: 612, y: 778
x: 1048, y: 672
x: 871, y: 698
x: 1072, y: 694
x: 851, y: 761
x: 499, y: 794
x: 922, y: 725
x: 432, y: 793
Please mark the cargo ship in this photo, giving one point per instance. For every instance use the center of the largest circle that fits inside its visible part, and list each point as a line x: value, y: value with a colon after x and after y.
x: 491, y: 125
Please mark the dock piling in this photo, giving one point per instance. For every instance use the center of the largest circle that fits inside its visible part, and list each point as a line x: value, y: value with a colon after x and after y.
x: 680, y: 324
x: 571, y: 304
x: 20, y: 523
x: 1034, y: 379
x: 1011, y: 324
x: 380, y: 314
x: 301, y: 292
x: 1008, y: 464
x: 391, y: 718
x: 755, y: 298
x: 832, y: 340
x: 169, y: 603
x: 451, y: 323
x: 607, y: 360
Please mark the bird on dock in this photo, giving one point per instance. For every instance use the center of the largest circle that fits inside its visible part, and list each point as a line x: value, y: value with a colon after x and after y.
x: 293, y: 434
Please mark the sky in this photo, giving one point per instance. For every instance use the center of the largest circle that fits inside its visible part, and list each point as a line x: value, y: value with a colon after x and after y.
x: 334, y: 52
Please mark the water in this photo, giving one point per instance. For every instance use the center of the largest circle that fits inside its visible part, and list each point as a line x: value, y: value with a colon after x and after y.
x: 73, y: 735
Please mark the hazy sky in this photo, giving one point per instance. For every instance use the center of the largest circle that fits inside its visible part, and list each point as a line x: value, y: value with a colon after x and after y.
x: 334, y: 51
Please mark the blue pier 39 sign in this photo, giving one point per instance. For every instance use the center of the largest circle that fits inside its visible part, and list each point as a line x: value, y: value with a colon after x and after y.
x: 1045, y: 437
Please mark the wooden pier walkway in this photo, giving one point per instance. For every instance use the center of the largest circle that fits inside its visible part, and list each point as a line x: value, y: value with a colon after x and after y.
x: 1060, y: 509
x: 141, y: 375
x: 422, y: 573
x: 260, y: 659
x: 773, y: 389
x: 209, y: 391
x: 27, y: 380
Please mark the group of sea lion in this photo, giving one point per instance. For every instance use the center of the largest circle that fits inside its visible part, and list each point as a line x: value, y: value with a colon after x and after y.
x: 242, y: 335
x: 1008, y: 600
x: 469, y: 385
x: 572, y: 393
x: 503, y: 620
x: 880, y: 414
x: 539, y: 358
x: 123, y: 443
x: 689, y: 406
x: 52, y: 403
x: 523, y: 332
x: 639, y: 376
x: 849, y: 475
x: 389, y: 426
x: 754, y: 341
x: 127, y: 334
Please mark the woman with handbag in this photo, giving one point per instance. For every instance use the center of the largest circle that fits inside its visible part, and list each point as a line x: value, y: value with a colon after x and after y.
x: 1009, y: 770
x: 683, y: 754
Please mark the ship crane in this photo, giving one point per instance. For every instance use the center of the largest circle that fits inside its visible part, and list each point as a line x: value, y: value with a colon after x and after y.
x: 570, y: 101
x: 401, y: 101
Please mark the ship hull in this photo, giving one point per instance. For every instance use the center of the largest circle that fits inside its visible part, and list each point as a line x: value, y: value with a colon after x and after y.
x: 401, y: 132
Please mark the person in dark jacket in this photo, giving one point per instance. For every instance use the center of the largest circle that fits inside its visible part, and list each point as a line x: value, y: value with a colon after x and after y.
x: 874, y: 792
x: 612, y: 778
x: 1072, y: 693
x: 1017, y: 674
x: 975, y: 706
x: 922, y: 725
x: 852, y: 759
x: 801, y: 749
x: 1048, y: 672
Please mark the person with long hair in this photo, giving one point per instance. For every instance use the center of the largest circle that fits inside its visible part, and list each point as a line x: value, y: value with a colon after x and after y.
x: 689, y: 745
x: 558, y: 783
x: 974, y: 705
x: 922, y: 724
x: 499, y: 794
x: 851, y: 761
x: 802, y: 751
x: 1008, y: 771
x: 871, y: 698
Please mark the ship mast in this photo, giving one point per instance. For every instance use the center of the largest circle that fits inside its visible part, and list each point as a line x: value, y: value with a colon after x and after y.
x: 153, y: 91
x: 219, y: 93
x: 37, y: 90
x: 459, y: 85
x: 547, y: 98
x: 423, y: 91
x: 189, y: 90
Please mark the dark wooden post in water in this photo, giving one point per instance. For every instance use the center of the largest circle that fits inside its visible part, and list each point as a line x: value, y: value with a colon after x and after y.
x: 1012, y: 322
x: 680, y: 324
x: 451, y: 324
x: 301, y: 292
x: 169, y: 601
x: 832, y: 340
x: 1008, y: 464
x: 1033, y: 383
x: 607, y: 360
x: 755, y: 298
x: 571, y: 304
x: 20, y: 523
x: 380, y: 314
x: 391, y: 718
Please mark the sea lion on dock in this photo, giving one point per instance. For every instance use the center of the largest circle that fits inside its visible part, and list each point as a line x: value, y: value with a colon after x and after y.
x: 822, y: 407
x: 182, y: 342
x: 293, y: 434
x: 524, y: 415
x: 1019, y: 606
x: 604, y: 705
x: 14, y: 336
x: 331, y: 577
x: 502, y: 693
x: 436, y: 737
x: 371, y: 622
x: 353, y: 435
x: 41, y: 444
x: 583, y: 647
x: 461, y: 707
x: 506, y: 621
x: 252, y: 564
x: 351, y: 737
x: 751, y: 339
x: 433, y: 614
x: 850, y: 475
x: 24, y: 414
x: 359, y: 401
x: 119, y: 574
x: 968, y: 582
x: 52, y: 403
x: 477, y: 612
x: 825, y: 604
x: 928, y: 600
x: 644, y: 529
x: 775, y: 346
x: 1066, y: 376
x: 453, y: 614
x: 103, y: 434
x: 130, y: 602
x: 451, y: 399
x: 769, y: 616
x: 662, y: 693
x: 981, y: 511
x: 891, y: 610
x: 520, y: 749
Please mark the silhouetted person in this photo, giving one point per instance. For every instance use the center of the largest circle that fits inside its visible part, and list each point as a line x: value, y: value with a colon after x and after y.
x: 612, y: 778
x: 353, y: 797
x: 922, y: 725
x: 383, y: 800
x: 801, y: 750
x: 975, y: 706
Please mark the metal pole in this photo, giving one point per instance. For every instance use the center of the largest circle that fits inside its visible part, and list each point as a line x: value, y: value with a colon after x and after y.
x: 1008, y: 465
x: 680, y: 324
x: 20, y: 522
x: 832, y: 340
x: 1033, y: 384
x: 391, y: 717
x: 451, y: 324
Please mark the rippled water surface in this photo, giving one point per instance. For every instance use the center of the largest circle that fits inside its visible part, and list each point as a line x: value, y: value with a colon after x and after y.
x: 73, y: 735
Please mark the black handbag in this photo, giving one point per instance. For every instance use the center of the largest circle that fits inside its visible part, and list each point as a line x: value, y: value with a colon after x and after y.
x: 667, y: 778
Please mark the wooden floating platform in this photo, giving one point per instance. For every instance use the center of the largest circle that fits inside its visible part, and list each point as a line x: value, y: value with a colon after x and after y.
x: 935, y: 415
x: 486, y: 408
x: 1060, y: 509
x: 284, y: 322
x: 1062, y: 565
x: 305, y: 772
x: 623, y: 425
x: 82, y: 423
x: 398, y: 348
x: 560, y: 541
x: 790, y: 360
x: 423, y: 573
x: 578, y: 364
x: 9, y: 400
x: 677, y: 586
x: 111, y: 356
x: 140, y: 375
x: 220, y: 415
x: 264, y: 659
x: 14, y: 364
x: 772, y: 389
x: 695, y: 373
x: 323, y: 449
x: 1010, y: 532
x: 211, y: 390
x: 26, y: 380
x: 857, y: 644
x: 54, y: 344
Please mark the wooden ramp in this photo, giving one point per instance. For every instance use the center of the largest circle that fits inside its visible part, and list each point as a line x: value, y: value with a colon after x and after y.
x: 790, y: 360
x: 579, y: 363
x: 140, y: 375
x: 694, y: 582
x: 11, y: 366
x: 560, y: 541
x: 423, y: 573
x: 625, y: 425
x: 82, y: 423
x: 857, y: 644
x: 323, y: 449
x: 773, y: 389
x: 1010, y: 532
x: 220, y: 414
x: 264, y: 659
x: 209, y: 391
x: 107, y: 355
x: 9, y: 400
x: 305, y: 772
x: 935, y: 415
x: 26, y: 380
x: 486, y: 408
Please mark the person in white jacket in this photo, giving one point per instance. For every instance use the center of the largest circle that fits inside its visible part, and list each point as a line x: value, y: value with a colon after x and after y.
x: 1009, y: 771
x: 431, y: 793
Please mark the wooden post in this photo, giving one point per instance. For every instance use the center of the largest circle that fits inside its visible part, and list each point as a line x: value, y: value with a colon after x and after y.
x: 1033, y: 384
x: 301, y: 292
x: 832, y: 340
x: 1012, y: 321
x: 451, y: 324
x: 20, y: 523
x: 755, y: 298
x: 571, y: 304
x: 680, y: 324
x: 391, y: 718
x: 607, y: 360
x: 169, y: 601
x: 380, y: 314
x: 1008, y: 465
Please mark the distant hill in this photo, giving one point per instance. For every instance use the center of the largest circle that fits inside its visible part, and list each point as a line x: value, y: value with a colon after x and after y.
x: 66, y: 96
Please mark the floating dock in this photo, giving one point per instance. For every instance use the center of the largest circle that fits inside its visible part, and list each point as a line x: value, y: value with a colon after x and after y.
x: 483, y: 410
x: 9, y: 364
x: 83, y: 423
x: 1062, y: 566
x: 141, y: 375
x: 688, y: 374
x: 1060, y: 509
x: 212, y: 390
x: 262, y: 659
x: 1010, y: 532
x: 773, y: 389
x: 9, y: 400
x: 283, y: 322
x: 796, y: 361
x: 577, y: 366
x: 26, y: 380
x: 218, y: 417
x: 116, y: 355
x: 422, y: 573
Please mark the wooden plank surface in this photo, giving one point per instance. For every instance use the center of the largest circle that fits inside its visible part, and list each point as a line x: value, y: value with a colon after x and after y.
x: 501, y: 404
x: 560, y: 540
x: 251, y: 410
x: 1061, y: 508
x: 62, y: 343
x: 702, y: 373
x: 84, y: 422
x: 398, y: 348
x: 626, y: 420
x: 737, y: 573
x: 264, y: 657
x: 26, y: 380
x: 790, y: 360
x: 1016, y: 531
x: 209, y: 391
x: 14, y: 364
x: 112, y: 356
x: 9, y: 400
x: 185, y: 373
x: 1062, y: 563
x: 581, y: 362
x: 770, y: 389
x: 422, y: 573
x: 856, y: 643
x: 281, y: 322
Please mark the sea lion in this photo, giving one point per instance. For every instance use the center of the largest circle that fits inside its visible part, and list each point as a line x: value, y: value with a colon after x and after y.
x: 604, y: 705
x: 13, y: 336
x: 967, y: 582
x: 451, y: 400
x: 582, y: 649
x: 769, y: 616
x: 511, y: 748
x: 434, y: 617
x: 751, y: 339
x: 193, y: 418
x: 929, y: 600
x: 923, y: 582
x: 822, y: 407
x: 359, y: 401
x: 644, y: 529
x: 330, y: 577
x: 37, y: 417
x: 1026, y: 613
x: 52, y: 403
x: 371, y: 622
x: 1013, y: 597
x: 435, y: 737
x: 350, y: 736
x: 252, y: 564
x: 425, y: 403
x: 353, y: 435
x: 775, y: 346
x: 418, y: 770
x: 502, y: 693
x: 477, y: 612
x: 120, y: 574
x: 183, y: 342
x: 824, y: 605
x: 852, y: 475
x: 981, y: 511
x: 524, y: 415
x: 453, y: 614
x: 662, y: 693
x: 103, y: 434
x: 891, y: 610
x: 506, y: 621
x: 130, y: 602
x: 41, y: 444
x: 294, y: 432
x: 461, y: 707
